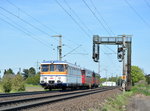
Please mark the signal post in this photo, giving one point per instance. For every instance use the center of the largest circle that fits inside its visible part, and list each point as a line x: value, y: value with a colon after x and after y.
x: 123, y: 54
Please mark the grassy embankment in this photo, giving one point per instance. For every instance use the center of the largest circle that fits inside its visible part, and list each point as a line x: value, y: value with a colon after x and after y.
x: 28, y: 87
x: 118, y: 103
x: 1, y: 90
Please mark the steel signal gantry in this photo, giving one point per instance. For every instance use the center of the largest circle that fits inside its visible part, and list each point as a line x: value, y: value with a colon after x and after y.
x: 123, y: 54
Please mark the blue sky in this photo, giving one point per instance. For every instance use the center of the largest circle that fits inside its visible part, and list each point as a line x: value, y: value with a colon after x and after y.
x: 24, y: 41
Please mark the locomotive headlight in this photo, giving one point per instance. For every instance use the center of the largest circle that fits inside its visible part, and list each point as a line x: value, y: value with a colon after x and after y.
x: 59, y: 77
x: 45, y: 77
x: 59, y: 81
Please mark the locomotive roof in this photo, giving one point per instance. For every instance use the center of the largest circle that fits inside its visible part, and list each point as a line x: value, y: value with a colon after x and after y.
x: 59, y: 62
x: 54, y: 62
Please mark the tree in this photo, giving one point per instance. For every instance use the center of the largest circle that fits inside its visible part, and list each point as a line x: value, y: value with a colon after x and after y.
x: 33, y: 80
x: 137, y: 74
x: 32, y: 71
x: 9, y: 71
x: 148, y: 78
x: 18, y: 83
x: 25, y: 73
x: 114, y: 79
x: 7, y: 83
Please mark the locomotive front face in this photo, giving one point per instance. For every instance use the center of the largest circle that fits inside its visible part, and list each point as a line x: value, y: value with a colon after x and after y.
x: 53, y: 75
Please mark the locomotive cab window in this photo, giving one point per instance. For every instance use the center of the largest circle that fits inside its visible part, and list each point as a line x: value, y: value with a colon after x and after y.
x: 45, y: 68
x: 51, y: 67
x: 60, y: 67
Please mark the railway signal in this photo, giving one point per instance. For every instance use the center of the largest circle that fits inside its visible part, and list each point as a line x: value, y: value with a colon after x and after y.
x: 123, y: 54
x: 120, y: 53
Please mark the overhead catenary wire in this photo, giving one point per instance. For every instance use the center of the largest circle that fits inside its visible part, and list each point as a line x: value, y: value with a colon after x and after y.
x: 23, y: 28
x: 37, y: 20
x: 112, y: 63
x: 85, y: 25
x: 24, y: 32
x: 81, y: 21
x: 147, y: 3
x: 101, y: 24
x: 72, y: 51
x: 26, y: 22
x: 32, y: 17
x: 36, y: 27
x: 75, y: 21
x: 98, y: 12
x: 29, y: 15
x: 135, y: 11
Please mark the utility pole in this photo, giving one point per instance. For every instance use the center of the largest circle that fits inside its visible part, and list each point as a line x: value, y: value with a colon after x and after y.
x: 37, y: 66
x: 60, y: 46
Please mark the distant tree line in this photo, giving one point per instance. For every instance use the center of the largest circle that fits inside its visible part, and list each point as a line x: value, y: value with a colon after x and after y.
x: 137, y: 75
x: 16, y: 82
x: 148, y: 78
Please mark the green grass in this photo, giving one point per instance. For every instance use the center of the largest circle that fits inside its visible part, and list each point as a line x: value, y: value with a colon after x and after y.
x: 1, y: 89
x: 31, y: 85
x: 118, y: 103
x: 141, y: 89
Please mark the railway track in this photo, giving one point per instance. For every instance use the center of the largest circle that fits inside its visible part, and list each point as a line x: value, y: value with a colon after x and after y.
x: 36, y: 101
x: 25, y: 93
x: 5, y: 95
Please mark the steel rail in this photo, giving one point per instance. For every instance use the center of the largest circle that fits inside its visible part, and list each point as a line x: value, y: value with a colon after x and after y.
x: 25, y: 93
x: 49, y: 96
x: 45, y: 100
x: 4, y: 95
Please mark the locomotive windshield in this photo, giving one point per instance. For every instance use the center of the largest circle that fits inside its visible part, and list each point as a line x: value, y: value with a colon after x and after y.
x: 53, y: 67
x: 60, y: 67
x: 45, y: 68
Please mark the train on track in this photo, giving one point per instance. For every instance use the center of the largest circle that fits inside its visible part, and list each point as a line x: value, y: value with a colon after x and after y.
x: 61, y: 74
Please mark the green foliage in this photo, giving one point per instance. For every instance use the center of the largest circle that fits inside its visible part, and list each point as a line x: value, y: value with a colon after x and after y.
x: 32, y: 71
x: 25, y: 73
x: 137, y: 74
x: 148, y: 78
x: 12, y: 82
x: 29, y: 72
x: 113, y: 79
x: 33, y: 79
x: 7, y: 83
x: 9, y: 71
x: 18, y: 83
x: 141, y: 89
x: 102, y: 80
x: 117, y: 103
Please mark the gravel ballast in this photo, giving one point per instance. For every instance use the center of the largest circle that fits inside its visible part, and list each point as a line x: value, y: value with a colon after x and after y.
x: 93, y: 101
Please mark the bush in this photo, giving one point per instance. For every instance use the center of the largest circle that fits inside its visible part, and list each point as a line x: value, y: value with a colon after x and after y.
x: 18, y: 83
x: 7, y: 83
x: 33, y: 80
x: 141, y: 89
